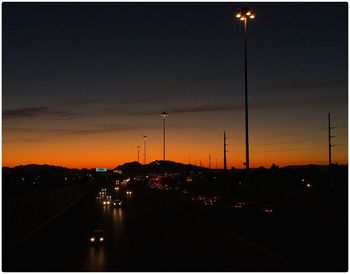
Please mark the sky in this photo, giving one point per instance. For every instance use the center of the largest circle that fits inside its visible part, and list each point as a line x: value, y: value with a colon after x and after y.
x: 83, y: 83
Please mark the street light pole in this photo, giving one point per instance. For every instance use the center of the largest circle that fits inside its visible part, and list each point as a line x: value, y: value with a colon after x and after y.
x: 138, y: 154
x: 144, y: 150
x: 244, y: 15
x: 246, y: 96
x: 164, y: 115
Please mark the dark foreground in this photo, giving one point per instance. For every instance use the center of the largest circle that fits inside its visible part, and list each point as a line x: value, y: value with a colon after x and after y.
x: 145, y: 236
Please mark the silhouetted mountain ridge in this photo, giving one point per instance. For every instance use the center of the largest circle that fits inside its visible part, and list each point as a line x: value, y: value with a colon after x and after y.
x: 137, y: 168
x: 35, y: 169
x: 157, y: 167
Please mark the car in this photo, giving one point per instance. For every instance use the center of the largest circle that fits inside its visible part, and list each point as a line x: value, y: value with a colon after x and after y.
x: 117, y: 203
x: 267, y: 210
x: 128, y: 192
x: 238, y: 205
x: 97, y: 237
x: 106, y: 202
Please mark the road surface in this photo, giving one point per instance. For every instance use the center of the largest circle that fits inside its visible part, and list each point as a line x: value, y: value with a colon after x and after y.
x: 137, y: 238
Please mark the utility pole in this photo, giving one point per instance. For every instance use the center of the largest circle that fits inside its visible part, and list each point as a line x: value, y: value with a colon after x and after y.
x: 164, y: 115
x: 138, y: 154
x: 200, y: 163
x: 225, y: 150
x: 144, y: 150
x: 216, y: 163
x: 330, y: 140
x: 189, y: 159
x: 209, y: 161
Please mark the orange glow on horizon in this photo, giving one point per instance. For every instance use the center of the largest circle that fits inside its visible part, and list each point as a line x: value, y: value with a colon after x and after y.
x: 109, y: 150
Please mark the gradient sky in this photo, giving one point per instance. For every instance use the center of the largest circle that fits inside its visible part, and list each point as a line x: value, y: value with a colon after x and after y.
x: 83, y: 82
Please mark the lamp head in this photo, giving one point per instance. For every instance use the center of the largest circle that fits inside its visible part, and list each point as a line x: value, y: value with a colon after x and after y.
x: 164, y: 114
x: 244, y: 14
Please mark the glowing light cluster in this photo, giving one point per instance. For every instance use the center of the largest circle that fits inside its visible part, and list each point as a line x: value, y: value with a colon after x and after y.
x: 244, y: 14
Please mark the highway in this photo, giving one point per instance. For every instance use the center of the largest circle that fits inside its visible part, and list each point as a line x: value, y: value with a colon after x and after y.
x: 137, y: 238
x: 149, y: 234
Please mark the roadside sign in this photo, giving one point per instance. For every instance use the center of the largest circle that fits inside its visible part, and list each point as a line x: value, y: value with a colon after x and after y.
x: 101, y: 169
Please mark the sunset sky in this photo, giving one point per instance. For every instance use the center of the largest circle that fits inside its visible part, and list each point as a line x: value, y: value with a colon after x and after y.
x: 82, y: 83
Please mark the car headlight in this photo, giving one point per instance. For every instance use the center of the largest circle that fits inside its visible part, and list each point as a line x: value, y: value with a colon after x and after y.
x: 104, y: 203
x: 108, y: 203
x: 101, y: 239
x: 92, y: 239
x: 120, y: 203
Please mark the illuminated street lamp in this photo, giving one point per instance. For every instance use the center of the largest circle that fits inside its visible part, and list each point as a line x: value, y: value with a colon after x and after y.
x: 164, y: 115
x: 244, y: 15
x: 144, y: 149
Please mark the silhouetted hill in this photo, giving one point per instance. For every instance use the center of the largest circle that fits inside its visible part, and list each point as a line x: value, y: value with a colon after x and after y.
x: 28, y: 178
x: 131, y: 168
x: 33, y: 169
x: 170, y: 166
x: 323, y: 168
x: 135, y: 168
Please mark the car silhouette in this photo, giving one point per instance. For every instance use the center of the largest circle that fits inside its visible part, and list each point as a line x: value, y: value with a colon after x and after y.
x: 117, y: 203
x: 96, y: 237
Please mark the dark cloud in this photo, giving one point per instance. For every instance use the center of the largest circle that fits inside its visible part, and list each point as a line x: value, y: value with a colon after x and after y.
x: 254, y: 106
x: 312, y: 84
x: 315, y: 84
x: 98, y: 129
x: 32, y: 112
x: 208, y: 78
x: 106, y: 128
x: 137, y: 101
x: 112, y: 110
x: 195, y: 109
x: 40, y: 112
x: 25, y: 140
x: 298, y: 103
x: 85, y: 102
